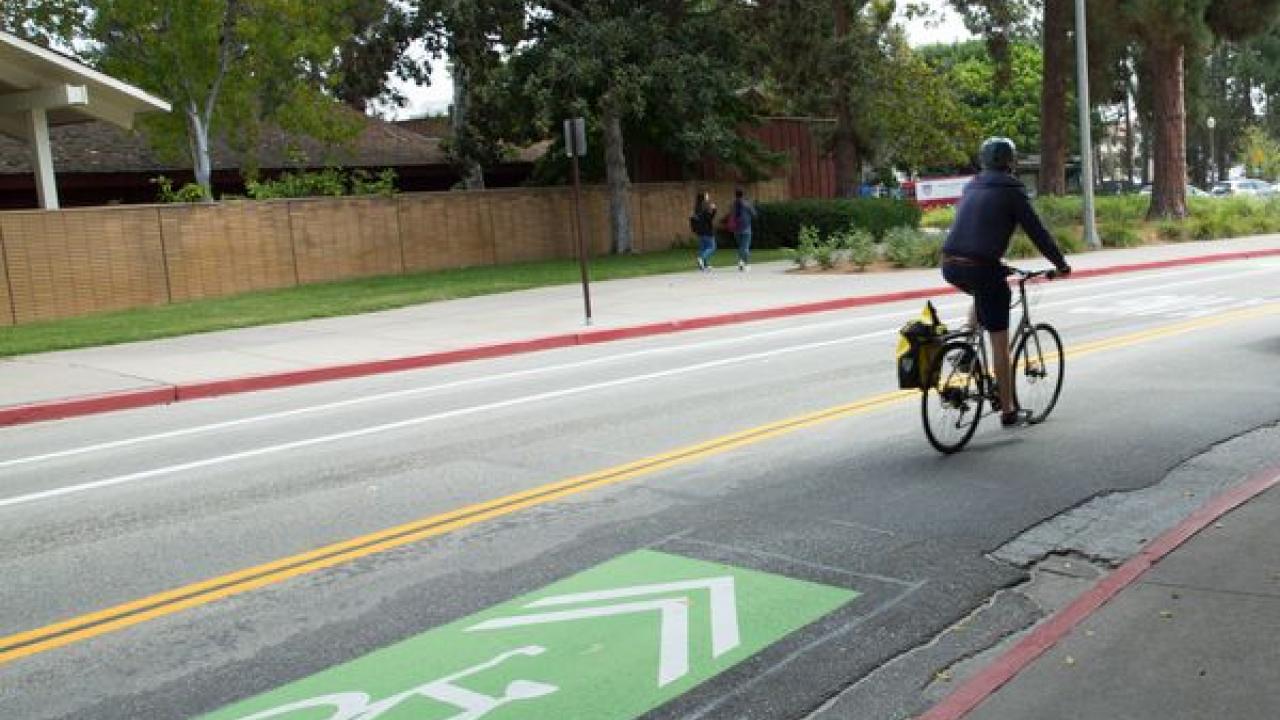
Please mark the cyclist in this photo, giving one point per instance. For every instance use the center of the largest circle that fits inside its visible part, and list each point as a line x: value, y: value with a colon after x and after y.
x: 993, y: 205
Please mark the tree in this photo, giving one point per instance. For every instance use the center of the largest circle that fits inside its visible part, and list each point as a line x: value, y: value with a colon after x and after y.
x: 43, y: 22
x: 823, y: 55
x: 237, y: 62
x: 1166, y: 29
x: 1260, y: 154
x: 1057, y: 64
x: 472, y: 37
x: 967, y: 71
x: 1001, y: 23
x: 915, y: 117
x: 376, y: 50
x: 623, y: 65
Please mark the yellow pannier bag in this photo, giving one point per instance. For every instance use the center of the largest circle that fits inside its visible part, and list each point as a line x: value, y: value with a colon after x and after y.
x: 918, y: 344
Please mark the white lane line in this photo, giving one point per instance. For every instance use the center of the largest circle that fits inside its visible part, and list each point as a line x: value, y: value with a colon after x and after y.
x: 956, y: 305
x: 421, y: 420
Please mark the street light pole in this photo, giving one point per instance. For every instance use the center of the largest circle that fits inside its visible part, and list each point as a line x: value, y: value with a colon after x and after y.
x: 1086, y: 132
x: 1213, y: 152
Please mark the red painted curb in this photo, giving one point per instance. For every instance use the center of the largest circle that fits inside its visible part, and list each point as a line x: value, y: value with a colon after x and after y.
x: 74, y: 407
x: 977, y: 689
x: 88, y: 405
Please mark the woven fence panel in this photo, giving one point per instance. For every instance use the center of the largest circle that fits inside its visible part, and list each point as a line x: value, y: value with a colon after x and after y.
x: 217, y: 250
x: 340, y: 238
x: 662, y: 215
x: 446, y: 230
x: 533, y: 225
x: 77, y: 262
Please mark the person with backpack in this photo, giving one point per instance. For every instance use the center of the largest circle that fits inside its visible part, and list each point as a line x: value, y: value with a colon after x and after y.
x: 702, y: 223
x: 993, y: 205
x: 739, y: 222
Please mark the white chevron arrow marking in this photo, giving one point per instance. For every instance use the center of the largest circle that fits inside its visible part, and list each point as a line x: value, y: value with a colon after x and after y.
x: 673, y: 647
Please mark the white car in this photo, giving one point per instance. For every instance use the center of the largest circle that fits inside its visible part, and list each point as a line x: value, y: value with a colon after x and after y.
x: 1244, y: 187
x: 1192, y: 191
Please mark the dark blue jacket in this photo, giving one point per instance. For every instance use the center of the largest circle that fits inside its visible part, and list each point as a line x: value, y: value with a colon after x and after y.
x: 994, y: 204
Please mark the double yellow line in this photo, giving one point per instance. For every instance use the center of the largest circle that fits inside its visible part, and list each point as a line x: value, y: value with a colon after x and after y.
x: 172, y: 601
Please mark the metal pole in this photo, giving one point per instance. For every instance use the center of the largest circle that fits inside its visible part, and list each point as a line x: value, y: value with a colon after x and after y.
x: 582, y: 243
x: 1213, y: 154
x: 1086, y: 132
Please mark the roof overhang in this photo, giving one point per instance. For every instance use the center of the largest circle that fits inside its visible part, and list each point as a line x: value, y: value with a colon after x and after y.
x: 34, y: 78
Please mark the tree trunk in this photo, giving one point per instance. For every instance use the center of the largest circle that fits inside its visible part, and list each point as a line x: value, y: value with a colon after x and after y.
x: 1052, y: 179
x: 619, y: 182
x: 848, y: 163
x: 470, y: 170
x: 198, y: 141
x: 1169, y: 184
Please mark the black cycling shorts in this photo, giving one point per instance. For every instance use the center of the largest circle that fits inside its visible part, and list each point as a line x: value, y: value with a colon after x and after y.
x: 990, y: 291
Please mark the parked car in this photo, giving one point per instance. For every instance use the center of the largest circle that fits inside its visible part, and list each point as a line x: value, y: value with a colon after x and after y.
x: 1246, y: 186
x: 1192, y: 191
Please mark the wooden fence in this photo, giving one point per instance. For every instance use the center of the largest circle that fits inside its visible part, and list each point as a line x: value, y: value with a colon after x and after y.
x: 68, y: 263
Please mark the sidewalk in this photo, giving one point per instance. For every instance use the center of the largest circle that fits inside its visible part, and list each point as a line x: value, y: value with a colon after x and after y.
x: 77, y: 382
x: 1188, y: 632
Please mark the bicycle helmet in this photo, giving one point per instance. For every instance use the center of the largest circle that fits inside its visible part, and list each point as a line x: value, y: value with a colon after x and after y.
x: 998, y: 153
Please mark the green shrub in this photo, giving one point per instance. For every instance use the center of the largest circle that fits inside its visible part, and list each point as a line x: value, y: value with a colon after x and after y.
x: 1174, y: 231
x: 908, y: 247
x: 862, y: 247
x: 1069, y: 240
x: 384, y: 183
x: 1201, y: 228
x: 189, y: 193
x: 1020, y: 246
x: 330, y: 182
x: 939, y: 218
x: 779, y: 223
x: 806, y: 246
x: 1119, y: 235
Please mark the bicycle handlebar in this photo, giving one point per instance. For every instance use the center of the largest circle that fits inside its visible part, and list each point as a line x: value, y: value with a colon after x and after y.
x: 1025, y: 275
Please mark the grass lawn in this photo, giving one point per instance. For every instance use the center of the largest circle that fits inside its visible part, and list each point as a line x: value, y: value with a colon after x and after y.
x: 348, y: 297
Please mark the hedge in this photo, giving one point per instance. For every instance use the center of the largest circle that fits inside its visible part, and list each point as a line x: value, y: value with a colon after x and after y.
x: 779, y: 223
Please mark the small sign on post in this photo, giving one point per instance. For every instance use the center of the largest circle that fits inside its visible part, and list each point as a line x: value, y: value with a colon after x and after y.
x: 575, y: 137
x: 575, y: 146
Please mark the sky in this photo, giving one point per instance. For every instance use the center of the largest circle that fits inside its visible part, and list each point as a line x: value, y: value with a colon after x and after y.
x: 436, y: 98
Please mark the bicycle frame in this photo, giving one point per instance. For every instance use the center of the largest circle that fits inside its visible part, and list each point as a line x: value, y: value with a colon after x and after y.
x: 975, y: 335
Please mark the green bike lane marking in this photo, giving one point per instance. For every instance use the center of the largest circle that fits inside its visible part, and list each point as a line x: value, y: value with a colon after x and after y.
x: 613, y: 641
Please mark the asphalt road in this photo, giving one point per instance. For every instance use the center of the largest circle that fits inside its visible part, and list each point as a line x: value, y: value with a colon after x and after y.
x: 778, y: 449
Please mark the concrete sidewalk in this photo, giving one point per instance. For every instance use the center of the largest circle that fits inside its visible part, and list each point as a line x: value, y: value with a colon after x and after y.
x: 1187, y: 630
x: 63, y: 384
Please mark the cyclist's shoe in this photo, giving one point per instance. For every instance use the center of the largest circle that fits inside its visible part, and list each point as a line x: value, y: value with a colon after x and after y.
x: 1015, y: 418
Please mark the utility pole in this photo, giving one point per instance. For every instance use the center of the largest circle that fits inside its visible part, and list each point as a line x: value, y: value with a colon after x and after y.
x: 1086, y: 132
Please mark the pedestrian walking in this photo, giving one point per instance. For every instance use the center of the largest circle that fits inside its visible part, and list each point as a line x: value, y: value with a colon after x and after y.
x: 740, y: 221
x: 702, y: 223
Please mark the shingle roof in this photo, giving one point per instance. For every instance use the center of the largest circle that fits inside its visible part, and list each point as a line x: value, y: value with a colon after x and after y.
x: 98, y: 147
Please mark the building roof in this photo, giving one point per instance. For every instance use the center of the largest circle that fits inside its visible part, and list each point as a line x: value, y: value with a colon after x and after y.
x: 98, y: 147
x: 26, y: 69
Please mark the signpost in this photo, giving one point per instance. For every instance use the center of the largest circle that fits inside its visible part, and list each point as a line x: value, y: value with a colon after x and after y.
x: 575, y: 145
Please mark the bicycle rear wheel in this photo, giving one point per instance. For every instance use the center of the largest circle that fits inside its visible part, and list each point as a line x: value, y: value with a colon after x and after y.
x: 1038, y: 369
x: 951, y: 404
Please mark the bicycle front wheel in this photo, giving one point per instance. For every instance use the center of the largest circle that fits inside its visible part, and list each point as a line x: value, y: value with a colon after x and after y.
x: 1038, y: 369
x: 951, y: 404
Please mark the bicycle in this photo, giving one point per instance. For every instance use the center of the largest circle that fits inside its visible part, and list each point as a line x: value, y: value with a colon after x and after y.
x: 959, y: 385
